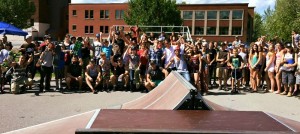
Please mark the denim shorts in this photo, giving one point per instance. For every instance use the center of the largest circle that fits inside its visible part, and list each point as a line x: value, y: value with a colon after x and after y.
x: 288, y: 77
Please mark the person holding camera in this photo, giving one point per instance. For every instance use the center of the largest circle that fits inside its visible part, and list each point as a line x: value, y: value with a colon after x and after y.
x: 19, y: 75
x: 46, y: 62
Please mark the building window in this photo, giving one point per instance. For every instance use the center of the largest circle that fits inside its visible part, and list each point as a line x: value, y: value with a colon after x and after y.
x: 74, y: 13
x: 237, y: 14
x: 211, y: 15
x: 119, y: 14
x: 102, y: 29
x: 236, y: 31
x: 91, y: 29
x: 199, y: 30
x: 74, y: 27
x: 86, y: 14
x: 106, y: 29
x: 199, y: 15
x: 211, y: 31
x: 91, y: 14
x: 104, y: 14
x: 224, y: 15
x: 187, y: 15
x: 86, y: 29
x: 223, y: 30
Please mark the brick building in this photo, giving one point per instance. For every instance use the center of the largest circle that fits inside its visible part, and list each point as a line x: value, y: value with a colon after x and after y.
x: 215, y: 22
x: 50, y: 17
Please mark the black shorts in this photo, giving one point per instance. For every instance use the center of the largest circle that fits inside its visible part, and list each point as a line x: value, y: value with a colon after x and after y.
x: 143, y: 69
x: 236, y: 74
x: 94, y: 78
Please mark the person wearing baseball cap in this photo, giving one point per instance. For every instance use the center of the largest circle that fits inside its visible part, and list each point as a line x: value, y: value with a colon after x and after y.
x: 97, y: 48
x: 155, y: 75
x: 179, y: 64
x: 27, y: 49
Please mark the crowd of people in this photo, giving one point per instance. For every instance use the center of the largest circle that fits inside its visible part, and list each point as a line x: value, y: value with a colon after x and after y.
x: 133, y: 60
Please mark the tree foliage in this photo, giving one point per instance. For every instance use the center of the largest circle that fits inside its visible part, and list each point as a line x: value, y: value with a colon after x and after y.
x: 283, y: 19
x: 153, y: 12
x: 258, y: 26
x: 17, y: 12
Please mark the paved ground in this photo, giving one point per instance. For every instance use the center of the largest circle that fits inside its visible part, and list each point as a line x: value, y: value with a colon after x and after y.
x: 19, y: 111
x: 288, y: 107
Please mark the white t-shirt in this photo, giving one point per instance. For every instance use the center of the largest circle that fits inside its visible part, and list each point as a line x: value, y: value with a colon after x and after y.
x: 244, y: 56
x: 169, y: 54
x: 97, y: 47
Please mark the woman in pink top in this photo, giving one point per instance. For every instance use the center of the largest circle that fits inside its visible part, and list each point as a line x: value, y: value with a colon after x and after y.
x: 279, y: 55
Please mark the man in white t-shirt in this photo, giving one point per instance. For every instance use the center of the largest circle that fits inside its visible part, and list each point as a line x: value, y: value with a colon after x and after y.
x: 243, y: 54
x: 296, y: 38
x: 97, y: 48
x: 168, y: 53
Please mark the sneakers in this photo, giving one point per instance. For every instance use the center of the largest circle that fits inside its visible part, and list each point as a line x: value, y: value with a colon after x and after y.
x: 289, y: 94
x: 284, y: 93
x: 137, y: 85
x: 114, y: 88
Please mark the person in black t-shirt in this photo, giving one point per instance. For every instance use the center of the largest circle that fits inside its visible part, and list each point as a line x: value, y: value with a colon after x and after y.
x: 155, y: 75
x: 212, y: 63
x: 74, y: 72
x: 28, y: 49
x: 236, y: 63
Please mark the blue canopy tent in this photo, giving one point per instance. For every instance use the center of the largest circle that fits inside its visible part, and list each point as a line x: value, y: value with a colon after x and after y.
x: 6, y: 28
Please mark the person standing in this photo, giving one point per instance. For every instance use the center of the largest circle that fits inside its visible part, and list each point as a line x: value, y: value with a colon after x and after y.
x: 270, y: 68
x: 97, y: 48
x: 236, y: 63
x: 46, y: 61
x: 222, y: 59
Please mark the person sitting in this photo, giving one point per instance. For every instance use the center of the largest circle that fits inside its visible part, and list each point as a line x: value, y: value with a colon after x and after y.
x: 19, y: 74
x: 155, y: 75
x: 74, y: 72
x: 92, y: 74
x: 119, y: 73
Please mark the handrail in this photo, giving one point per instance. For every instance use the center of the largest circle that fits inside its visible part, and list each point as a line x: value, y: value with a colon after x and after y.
x: 185, y: 30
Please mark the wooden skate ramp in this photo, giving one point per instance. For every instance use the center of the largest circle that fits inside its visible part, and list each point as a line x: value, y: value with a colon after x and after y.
x: 184, y: 121
x: 168, y: 95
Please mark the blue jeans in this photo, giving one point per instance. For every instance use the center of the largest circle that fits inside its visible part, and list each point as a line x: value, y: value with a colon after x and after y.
x: 185, y: 74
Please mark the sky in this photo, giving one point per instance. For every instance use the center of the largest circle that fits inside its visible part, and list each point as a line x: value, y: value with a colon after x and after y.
x: 260, y: 5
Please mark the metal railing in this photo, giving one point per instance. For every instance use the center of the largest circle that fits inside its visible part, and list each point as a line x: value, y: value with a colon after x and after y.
x: 184, y: 30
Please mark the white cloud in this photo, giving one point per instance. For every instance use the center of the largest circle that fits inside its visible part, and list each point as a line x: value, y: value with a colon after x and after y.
x: 260, y: 5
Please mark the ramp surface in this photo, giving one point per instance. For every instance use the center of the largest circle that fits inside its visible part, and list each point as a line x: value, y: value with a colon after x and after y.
x: 185, y: 121
x: 168, y: 95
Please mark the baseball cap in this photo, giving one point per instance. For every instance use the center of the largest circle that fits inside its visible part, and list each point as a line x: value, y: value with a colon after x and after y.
x: 28, y: 36
x: 98, y: 35
x: 133, y: 48
x: 47, y: 37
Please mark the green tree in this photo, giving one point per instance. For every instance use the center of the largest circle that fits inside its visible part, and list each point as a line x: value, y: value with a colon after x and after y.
x: 283, y: 19
x: 153, y: 12
x: 17, y: 12
x: 258, y: 26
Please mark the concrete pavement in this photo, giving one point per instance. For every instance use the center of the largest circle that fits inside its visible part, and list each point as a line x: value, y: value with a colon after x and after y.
x: 288, y: 107
x: 20, y: 111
